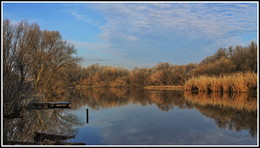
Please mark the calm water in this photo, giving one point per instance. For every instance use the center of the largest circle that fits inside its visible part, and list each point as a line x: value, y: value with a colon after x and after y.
x: 142, y: 117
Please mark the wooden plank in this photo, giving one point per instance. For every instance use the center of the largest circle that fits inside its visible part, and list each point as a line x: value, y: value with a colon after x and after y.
x: 44, y: 103
x: 39, y: 104
x: 50, y: 108
x: 47, y: 105
x: 58, y: 102
x: 40, y: 136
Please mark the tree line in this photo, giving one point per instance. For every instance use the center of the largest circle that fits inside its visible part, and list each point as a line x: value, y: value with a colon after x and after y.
x: 97, y: 75
x: 225, y: 61
x: 39, y: 61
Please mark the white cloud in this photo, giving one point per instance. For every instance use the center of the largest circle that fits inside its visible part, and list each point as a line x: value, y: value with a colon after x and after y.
x: 193, y: 20
x: 79, y: 16
x: 78, y: 11
x: 144, y: 27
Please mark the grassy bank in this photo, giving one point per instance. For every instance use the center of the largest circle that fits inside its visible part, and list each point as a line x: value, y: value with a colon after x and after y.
x: 237, y: 82
x: 165, y: 87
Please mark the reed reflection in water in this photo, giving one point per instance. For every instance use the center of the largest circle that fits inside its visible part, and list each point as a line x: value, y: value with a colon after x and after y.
x: 237, y: 113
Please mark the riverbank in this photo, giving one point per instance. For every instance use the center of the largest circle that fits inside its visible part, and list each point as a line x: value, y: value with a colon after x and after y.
x: 88, y: 86
x: 165, y: 87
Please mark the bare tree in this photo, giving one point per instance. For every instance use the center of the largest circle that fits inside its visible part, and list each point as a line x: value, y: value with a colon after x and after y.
x: 32, y: 57
x: 15, y: 66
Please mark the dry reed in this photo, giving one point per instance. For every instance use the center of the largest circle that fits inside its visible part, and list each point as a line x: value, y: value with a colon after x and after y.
x: 237, y: 82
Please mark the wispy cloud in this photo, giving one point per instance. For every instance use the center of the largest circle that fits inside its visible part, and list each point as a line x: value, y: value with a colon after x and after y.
x: 214, y: 20
x: 139, y: 30
x: 79, y: 16
x: 80, y: 12
x: 194, y: 20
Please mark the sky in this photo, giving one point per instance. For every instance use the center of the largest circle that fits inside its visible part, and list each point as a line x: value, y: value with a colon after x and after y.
x: 142, y: 34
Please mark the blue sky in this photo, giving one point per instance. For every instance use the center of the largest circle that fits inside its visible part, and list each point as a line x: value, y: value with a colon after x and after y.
x: 142, y: 34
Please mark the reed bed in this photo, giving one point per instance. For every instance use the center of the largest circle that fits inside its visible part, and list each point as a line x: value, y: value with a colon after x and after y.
x: 241, y: 101
x: 237, y: 82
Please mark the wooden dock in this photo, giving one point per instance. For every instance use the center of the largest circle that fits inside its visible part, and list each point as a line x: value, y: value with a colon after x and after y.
x: 49, y: 105
x: 59, y: 104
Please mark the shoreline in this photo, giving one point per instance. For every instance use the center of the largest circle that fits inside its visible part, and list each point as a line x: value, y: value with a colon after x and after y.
x: 165, y: 87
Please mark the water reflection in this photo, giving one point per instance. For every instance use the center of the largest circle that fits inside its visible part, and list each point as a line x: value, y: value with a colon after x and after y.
x: 56, y: 121
x: 235, y: 112
x: 101, y: 98
x: 239, y: 101
x: 138, y: 116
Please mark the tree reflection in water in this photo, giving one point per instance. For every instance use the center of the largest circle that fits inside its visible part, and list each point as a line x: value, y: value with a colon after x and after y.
x: 234, y: 112
x: 56, y: 121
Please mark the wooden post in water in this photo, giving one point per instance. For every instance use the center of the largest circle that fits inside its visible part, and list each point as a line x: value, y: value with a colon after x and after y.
x: 87, y: 115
